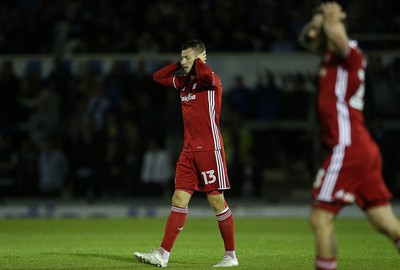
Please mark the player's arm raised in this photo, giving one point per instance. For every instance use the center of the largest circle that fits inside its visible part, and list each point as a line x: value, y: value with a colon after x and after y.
x: 334, y: 28
x: 307, y: 37
x: 165, y: 75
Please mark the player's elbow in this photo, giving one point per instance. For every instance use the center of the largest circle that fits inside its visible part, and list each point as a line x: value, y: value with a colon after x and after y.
x: 157, y: 78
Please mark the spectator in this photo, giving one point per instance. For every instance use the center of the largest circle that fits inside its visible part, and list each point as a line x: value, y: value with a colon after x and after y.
x: 269, y: 98
x: 240, y: 98
x: 53, y: 169
x: 9, y: 90
x: 112, y: 179
x: 43, y: 121
x: 132, y: 153
x: 157, y: 173
x: 239, y: 144
x: 86, y: 154
x: 74, y: 27
x: 8, y: 165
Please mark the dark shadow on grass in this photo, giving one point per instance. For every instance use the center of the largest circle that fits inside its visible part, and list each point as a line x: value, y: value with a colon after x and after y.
x: 118, y: 258
x: 122, y: 259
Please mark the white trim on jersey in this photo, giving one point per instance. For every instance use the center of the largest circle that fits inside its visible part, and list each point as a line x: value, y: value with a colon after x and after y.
x: 332, y: 173
x: 344, y: 130
x: 173, y: 82
x: 211, y: 111
x: 217, y: 141
x: 342, y: 108
x: 221, y: 170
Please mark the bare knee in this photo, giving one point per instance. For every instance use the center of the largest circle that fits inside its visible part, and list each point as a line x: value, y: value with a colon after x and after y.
x: 321, y: 220
x: 217, y: 202
x: 181, y: 198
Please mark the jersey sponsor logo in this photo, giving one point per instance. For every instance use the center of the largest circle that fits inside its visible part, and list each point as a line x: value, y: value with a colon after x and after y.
x: 188, y: 97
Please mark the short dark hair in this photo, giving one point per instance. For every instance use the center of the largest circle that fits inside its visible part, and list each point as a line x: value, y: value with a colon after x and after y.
x: 195, y: 44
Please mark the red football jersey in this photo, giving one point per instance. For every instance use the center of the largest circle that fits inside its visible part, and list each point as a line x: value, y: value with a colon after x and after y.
x: 352, y: 171
x: 201, y: 100
x: 341, y: 98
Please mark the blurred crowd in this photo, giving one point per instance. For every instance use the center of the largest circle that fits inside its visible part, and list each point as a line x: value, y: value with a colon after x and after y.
x: 126, y: 26
x: 119, y: 134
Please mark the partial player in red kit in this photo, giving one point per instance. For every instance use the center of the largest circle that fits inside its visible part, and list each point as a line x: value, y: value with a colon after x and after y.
x: 352, y: 171
x: 201, y: 166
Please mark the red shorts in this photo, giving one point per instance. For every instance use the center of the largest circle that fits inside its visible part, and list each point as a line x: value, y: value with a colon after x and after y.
x: 203, y: 171
x: 351, y: 174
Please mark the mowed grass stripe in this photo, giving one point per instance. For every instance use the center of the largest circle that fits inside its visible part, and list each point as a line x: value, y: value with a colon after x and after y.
x: 262, y: 243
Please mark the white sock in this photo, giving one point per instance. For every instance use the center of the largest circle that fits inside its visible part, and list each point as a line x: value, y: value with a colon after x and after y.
x: 231, y: 254
x: 164, y: 253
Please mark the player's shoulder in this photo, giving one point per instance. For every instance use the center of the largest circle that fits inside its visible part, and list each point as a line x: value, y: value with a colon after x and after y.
x: 354, y: 48
x: 215, y: 74
x: 217, y: 79
x: 354, y: 56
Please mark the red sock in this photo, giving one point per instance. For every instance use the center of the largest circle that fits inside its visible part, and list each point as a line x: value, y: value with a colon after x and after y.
x: 325, y: 264
x: 174, y: 226
x: 397, y: 243
x: 225, y: 223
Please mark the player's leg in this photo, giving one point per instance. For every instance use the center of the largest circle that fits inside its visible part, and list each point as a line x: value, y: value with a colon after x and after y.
x: 176, y: 220
x: 225, y: 224
x: 175, y: 223
x: 322, y: 225
x: 213, y: 179
x: 185, y: 183
x: 374, y: 197
x: 326, y: 204
x: 385, y: 221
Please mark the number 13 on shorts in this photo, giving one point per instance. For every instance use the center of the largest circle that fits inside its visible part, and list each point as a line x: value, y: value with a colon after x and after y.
x: 209, y: 177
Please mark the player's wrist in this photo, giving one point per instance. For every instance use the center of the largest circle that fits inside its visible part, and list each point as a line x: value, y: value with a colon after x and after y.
x: 333, y: 17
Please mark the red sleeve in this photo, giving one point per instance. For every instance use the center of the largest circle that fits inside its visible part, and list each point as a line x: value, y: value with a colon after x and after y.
x: 204, y: 74
x: 165, y: 75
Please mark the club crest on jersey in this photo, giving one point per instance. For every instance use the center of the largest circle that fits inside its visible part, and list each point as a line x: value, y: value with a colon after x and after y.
x: 188, y: 97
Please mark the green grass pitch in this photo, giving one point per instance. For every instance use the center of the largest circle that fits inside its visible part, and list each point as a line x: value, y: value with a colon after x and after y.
x: 261, y: 243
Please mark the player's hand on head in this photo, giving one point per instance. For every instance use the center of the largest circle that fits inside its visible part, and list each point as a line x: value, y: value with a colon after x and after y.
x: 203, y: 56
x: 333, y: 9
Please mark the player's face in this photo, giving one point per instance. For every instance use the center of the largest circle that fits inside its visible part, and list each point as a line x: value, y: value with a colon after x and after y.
x: 187, y: 59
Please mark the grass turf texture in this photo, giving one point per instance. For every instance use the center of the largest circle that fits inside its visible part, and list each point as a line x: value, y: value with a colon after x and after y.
x: 262, y: 243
